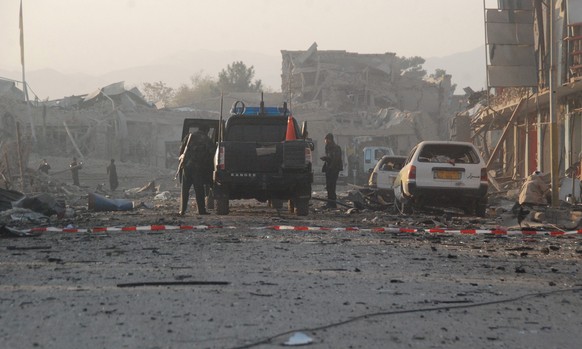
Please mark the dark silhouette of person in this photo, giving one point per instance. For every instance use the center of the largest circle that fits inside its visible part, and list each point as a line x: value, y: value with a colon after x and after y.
x: 332, y: 167
x: 44, y: 167
x: 196, y: 160
x: 112, y: 172
x: 75, y: 167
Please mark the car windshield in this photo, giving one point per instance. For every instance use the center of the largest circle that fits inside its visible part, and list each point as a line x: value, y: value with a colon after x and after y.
x: 257, y: 133
x: 391, y: 164
x: 448, y: 153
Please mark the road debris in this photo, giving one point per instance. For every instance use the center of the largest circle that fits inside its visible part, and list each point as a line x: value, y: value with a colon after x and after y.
x: 173, y: 283
x: 298, y: 338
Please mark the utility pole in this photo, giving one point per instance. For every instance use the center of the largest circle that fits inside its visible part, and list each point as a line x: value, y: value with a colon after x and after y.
x: 554, y: 141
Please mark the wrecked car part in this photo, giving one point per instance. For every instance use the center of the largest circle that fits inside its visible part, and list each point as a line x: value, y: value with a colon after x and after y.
x: 7, y: 197
x: 100, y: 203
x: 42, y: 203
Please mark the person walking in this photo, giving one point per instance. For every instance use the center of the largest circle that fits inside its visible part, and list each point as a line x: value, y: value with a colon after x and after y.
x: 44, y: 167
x: 195, y: 168
x: 332, y: 167
x: 75, y: 167
x: 112, y: 172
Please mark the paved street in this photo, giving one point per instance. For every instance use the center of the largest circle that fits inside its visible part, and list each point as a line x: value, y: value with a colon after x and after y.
x: 245, y: 287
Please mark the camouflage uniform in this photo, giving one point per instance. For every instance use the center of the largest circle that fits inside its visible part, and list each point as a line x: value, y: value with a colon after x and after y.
x: 197, y: 170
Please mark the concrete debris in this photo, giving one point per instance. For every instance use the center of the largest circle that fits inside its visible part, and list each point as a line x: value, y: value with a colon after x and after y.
x: 8, y: 232
x: 163, y: 196
x: 146, y: 190
x: 7, y: 197
x: 371, y: 198
x: 42, y: 203
x: 22, y: 215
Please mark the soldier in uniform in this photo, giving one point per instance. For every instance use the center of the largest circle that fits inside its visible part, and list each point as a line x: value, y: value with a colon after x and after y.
x: 75, y: 167
x: 112, y: 172
x: 44, y: 166
x: 332, y: 167
x: 196, y: 168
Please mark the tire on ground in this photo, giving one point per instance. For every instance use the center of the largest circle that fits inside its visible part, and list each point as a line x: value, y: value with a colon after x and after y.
x: 403, y: 206
x: 276, y: 204
x: 291, y: 205
x: 222, y: 205
x: 481, y: 207
x: 301, y: 207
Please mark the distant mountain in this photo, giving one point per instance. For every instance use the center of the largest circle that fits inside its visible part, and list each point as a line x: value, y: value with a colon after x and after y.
x: 51, y: 84
x: 466, y: 68
x: 174, y: 70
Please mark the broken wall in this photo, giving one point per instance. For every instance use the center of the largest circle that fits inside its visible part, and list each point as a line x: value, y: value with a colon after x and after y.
x: 351, y: 88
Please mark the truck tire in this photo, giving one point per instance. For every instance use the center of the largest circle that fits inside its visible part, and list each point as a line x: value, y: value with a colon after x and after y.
x: 222, y: 208
x: 276, y: 204
x: 301, y: 207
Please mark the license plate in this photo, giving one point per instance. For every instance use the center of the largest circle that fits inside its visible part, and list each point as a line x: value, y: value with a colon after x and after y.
x: 451, y: 175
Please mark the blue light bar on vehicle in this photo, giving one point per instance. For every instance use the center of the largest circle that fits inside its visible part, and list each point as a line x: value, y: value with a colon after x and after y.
x: 268, y: 111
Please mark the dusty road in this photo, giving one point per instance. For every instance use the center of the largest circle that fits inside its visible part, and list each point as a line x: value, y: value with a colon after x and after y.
x: 254, y: 287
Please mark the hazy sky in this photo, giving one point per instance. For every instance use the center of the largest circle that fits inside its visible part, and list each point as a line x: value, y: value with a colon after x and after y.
x: 98, y: 36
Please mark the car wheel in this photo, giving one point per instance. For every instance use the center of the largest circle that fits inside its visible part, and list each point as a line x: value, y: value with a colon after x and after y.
x: 302, y: 207
x: 222, y: 204
x: 403, y: 206
x: 276, y: 204
x: 291, y: 206
x: 481, y: 207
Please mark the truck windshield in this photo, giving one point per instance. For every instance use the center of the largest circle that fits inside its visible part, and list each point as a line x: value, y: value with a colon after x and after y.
x: 256, y: 133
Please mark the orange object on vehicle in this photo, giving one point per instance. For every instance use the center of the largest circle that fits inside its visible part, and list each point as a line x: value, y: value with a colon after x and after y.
x: 291, y: 134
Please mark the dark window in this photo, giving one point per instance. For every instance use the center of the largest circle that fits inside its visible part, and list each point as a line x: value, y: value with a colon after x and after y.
x: 447, y: 153
x: 257, y: 133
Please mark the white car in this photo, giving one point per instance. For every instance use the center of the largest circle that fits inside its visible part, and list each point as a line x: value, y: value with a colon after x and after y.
x: 386, y: 171
x: 443, y: 174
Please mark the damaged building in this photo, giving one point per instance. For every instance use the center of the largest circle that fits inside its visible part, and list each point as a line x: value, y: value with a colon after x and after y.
x: 111, y: 122
x: 377, y: 99
x: 364, y: 99
x: 533, y: 48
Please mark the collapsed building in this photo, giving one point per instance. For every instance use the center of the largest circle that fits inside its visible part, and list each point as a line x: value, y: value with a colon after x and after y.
x: 111, y: 122
x: 362, y: 98
x: 378, y: 99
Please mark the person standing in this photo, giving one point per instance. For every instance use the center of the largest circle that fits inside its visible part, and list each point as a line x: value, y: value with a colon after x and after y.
x: 196, y: 163
x: 112, y: 172
x: 75, y: 167
x: 44, y: 167
x: 332, y: 167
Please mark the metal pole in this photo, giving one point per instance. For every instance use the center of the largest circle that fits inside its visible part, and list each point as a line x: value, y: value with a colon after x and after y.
x: 554, y: 141
x: 486, y: 51
x: 220, y: 130
x: 20, y: 160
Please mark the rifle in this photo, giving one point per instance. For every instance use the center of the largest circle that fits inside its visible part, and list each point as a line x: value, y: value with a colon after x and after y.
x: 182, y: 157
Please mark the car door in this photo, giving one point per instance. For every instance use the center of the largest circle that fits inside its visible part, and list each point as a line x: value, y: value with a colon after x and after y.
x: 386, y: 177
x: 192, y: 125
